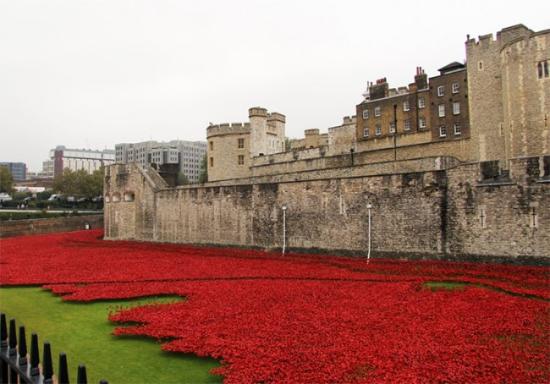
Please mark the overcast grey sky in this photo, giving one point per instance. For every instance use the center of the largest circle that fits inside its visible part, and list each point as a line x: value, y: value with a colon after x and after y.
x: 94, y: 73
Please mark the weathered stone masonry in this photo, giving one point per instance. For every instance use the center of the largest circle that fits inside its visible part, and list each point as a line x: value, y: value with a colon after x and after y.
x: 436, y: 213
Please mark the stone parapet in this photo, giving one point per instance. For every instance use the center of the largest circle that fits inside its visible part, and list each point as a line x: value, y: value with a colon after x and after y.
x: 227, y: 129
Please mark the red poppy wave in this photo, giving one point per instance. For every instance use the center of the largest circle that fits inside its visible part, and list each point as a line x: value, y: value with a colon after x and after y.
x: 306, y: 318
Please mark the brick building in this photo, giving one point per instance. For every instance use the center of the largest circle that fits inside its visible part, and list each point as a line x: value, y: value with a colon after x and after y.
x: 449, y: 103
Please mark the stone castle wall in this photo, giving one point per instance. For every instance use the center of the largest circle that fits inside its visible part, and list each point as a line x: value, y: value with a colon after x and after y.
x: 526, y: 98
x: 434, y: 213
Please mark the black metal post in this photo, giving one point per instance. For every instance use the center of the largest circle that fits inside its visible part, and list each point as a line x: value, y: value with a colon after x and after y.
x: 3, y: 347
x: 47, y: 369
x: 12, y: 340
x: 63, y: 377
x: 13, y: 352
x: 22, y: 348
x: 81, y: 377
x: 35, y: 356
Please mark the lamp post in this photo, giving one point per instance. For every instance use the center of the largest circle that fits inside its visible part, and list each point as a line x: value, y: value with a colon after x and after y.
x: 395, y: 132
x: 369, y: 207
x: 284, y: 228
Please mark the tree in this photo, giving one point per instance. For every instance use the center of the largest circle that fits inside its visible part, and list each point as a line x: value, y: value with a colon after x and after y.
x: 203, y: 176
x: 80, y: 183
x: 6, y: 180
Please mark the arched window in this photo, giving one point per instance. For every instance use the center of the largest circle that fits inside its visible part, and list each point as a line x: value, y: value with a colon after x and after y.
x: 129, y: 196
x: 116, y: 197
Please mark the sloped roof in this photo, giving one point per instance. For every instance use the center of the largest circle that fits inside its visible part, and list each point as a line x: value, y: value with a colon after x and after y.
x: 451, y: 67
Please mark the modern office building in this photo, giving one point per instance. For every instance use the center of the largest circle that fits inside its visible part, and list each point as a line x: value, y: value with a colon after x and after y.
x: 188, y: 154
x: 18, y: 170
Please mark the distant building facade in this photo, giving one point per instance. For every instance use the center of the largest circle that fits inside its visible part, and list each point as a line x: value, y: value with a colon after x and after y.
x: 188, y: 154
x: 89, y: 160
x: 18, y: 171
x: 47, y: 169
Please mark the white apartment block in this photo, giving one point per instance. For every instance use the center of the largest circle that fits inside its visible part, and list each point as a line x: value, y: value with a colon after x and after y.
x: 62, y: 158
x: 188, y: 154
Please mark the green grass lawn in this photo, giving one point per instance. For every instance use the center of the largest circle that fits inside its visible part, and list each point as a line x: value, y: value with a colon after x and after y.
x: 83, y: 331
x: 436, y: 285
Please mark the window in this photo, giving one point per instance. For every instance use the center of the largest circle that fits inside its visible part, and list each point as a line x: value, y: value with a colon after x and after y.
x: 211, y: 145
x: 406, y: 106
x: 480, y: 65
x: 392, y: 127
x: 365, y: 114
x: 421, y: 102
x: 457, y: 128
x: 456, y: 88
x: 421, y: 122
x: 441, y: 90
x: 211, y: 161
x: 441, y: 109
x: 456, y: 108
x: 376, y: 111
x: 366, y: 132
x: 241, y: 159
x: 533, y: 218
x: 240, y: 143
x: 482, y: 217
x: 542, y: 69
x: 407, y: 125
x: 378, y: 131
x: 442, y: 131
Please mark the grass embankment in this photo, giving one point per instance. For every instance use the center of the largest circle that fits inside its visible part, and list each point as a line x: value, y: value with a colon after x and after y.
x: 83, y: 331
x: 5, y: 216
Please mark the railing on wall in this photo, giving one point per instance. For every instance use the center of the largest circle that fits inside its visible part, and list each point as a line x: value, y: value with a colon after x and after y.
x: 15, y: 366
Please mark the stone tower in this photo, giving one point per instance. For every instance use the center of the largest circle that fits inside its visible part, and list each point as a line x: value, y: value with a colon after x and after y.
x: 508, y: 102
x: 258, y: 131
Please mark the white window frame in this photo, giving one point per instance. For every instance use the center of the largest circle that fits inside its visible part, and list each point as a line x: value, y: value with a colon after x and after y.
x: 456, y: 108
x: 442, y: 131
x: 407, y: 125
x: 378, y: 130
x: 422, y: 122
x: 377, y: 111
x: 366, y: 132
x: 392, y: 127
x: 421, y: 103
x: 457, y: 129
x: 542, y: 69
x: 441, y: 90
x: 441, y: 110
x: 406, y: 106
x: 455, y: 87
x: 365, y: 114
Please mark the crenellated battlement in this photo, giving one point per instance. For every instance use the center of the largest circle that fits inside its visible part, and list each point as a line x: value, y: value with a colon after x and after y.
x: 257, y: 112
x: 503, y: 37
x: 349, y: 120
x: 227, y: 129
x: 276, y: 116
x: 311, y: 132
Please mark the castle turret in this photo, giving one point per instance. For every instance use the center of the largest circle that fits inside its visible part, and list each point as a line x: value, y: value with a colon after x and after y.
x: 258, y: 131
x: 276, y: 125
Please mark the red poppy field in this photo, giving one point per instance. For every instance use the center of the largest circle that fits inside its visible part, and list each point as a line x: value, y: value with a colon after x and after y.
x: 307, y: 318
